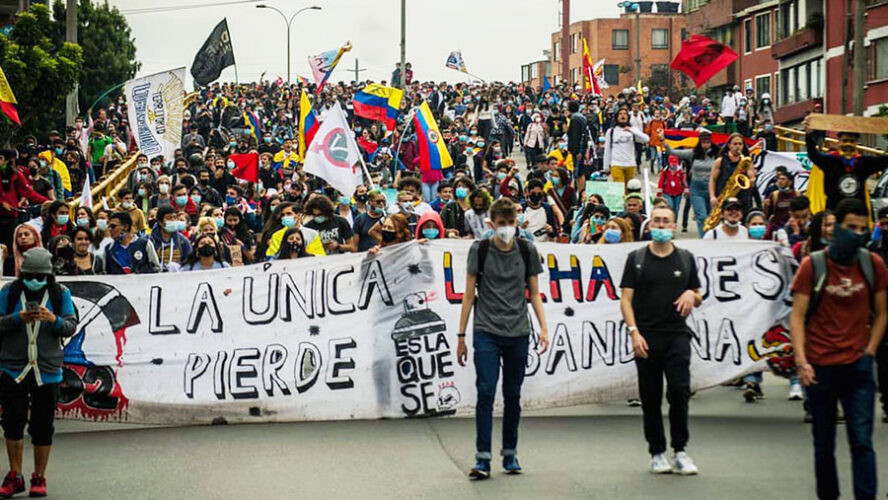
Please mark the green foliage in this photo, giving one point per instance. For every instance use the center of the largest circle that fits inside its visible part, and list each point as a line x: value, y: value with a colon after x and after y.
x: 109, y: 50
x: 40, y: 73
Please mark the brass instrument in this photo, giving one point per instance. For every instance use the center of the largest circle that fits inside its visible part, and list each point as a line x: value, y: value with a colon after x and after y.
x: 738, y: 181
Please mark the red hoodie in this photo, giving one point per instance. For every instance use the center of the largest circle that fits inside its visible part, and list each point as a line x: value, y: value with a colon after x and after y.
x: 431, y: 215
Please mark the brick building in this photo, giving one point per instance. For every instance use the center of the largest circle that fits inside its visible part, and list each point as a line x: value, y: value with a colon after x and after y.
x: 614, y: 40
x: 534, y: 73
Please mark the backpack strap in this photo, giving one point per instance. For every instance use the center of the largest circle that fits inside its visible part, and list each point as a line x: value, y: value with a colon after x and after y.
x: 818, y: 261
x: 524, y: 248
x: 483, y: 248
x: 865, y: 261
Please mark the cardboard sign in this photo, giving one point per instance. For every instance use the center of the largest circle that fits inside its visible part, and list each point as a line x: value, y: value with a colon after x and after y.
x: 839, y: 123
x: 612, y: 192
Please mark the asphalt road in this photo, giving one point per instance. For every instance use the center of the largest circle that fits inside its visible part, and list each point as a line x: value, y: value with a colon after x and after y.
x: 760, y: 450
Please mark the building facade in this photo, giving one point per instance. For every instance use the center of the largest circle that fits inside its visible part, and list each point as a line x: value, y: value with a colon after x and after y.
x: 660, y: 38
x: 534, y: 73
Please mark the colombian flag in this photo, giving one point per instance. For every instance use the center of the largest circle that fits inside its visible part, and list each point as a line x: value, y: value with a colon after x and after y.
x: 379, y: 103
x: 688, y: 138
x: 308, y: 124
x: 8, y: 104
x: 433, y: 154
x: 251, y: 122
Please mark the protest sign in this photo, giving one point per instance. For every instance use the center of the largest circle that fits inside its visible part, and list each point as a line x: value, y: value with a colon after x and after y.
x: 374, y: 336
x: 612, y: 192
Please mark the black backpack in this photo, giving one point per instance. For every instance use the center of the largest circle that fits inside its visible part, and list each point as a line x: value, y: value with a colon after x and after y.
x: 484, y: 247
x: 821, y: 270
x: 15, y: 291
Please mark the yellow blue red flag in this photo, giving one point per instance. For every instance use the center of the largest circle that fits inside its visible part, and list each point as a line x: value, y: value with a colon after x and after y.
x: 433, y: 153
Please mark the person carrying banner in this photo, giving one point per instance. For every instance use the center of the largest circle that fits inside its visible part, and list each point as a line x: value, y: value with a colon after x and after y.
x: 502, y: 268
x: 838, y: 318
x: 35, y: 314
x: 660, y: 288
x: 845, y: 172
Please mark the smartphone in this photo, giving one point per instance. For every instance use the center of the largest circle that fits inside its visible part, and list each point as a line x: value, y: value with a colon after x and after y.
x: 32, y: 305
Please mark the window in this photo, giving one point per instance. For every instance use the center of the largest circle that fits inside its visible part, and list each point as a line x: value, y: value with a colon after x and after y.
x: 695, y: 4
x: 612, y: 74
x: 660, y: 38
x: 747, y: 36
x: 763, y: 30
x: 725, y: 35
x: 524, y: 75
x: 534, y: 70
x: 762, y: 85
x: 621, y: 39
x: 879, y: 57
x: 800, y: 82
x: 778, y: 101
x: 684, y: 34
x: 556, y: 51
x: 573, y: 43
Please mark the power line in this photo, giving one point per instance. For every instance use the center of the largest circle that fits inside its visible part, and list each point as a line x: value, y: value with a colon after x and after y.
x: 154, y: 10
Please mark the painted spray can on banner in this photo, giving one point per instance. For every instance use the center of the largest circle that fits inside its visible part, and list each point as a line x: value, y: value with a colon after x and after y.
x: 424, y: 361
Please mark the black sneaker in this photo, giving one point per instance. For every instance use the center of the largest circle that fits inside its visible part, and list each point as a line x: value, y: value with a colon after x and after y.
x: 481, y: 470
x: 750, y: 393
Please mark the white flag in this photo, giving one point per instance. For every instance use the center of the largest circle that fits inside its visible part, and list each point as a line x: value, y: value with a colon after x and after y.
x: 333, y: 154
x: 86, y: 198
x: 598, y: 71
x: 155, y: 107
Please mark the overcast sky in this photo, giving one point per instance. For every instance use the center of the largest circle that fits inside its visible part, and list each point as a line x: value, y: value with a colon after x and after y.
x: 496, y: 36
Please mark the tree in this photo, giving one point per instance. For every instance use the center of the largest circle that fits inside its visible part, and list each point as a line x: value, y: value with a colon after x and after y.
x: 40, y: 73
x: 109, y: 50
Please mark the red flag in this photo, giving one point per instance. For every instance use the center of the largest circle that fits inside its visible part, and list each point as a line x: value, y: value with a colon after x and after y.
x: 701, y: 58
x: 279, y: 81
x: 246, y: 166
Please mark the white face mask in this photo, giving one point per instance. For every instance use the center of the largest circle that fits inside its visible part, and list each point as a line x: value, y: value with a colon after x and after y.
x: 505, y: 233
x: 163, y: 188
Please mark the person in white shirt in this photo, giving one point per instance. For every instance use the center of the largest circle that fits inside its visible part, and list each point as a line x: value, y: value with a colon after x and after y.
x: 731, y: 227
x: 729, y: 104
x: 619, y: 147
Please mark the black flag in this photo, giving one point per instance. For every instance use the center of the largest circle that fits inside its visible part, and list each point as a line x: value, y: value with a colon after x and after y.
x: 215, y: 55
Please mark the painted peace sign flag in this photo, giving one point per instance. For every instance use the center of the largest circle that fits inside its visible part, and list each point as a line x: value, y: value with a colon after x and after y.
x: 333, y: 153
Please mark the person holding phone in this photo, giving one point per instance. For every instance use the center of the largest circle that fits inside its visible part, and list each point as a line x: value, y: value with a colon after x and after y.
x: 36, y: 313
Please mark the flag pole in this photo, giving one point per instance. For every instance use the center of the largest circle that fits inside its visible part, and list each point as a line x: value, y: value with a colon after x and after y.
x: 367, y: 172
x: 401, y: 140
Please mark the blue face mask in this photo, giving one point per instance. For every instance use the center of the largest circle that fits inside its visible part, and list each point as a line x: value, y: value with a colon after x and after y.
x: 196, y: 199
x: 661, y: 235
x: 34, y: 284
x: 83, y: 222
x: 181, y: 200
x: 344, y: 200
x: 171, y: 226
x: 219, y: 222
x: 321, y: 219
x: 598, y: 221
x: 288, y: 221
x: 757, y: 232
x: 501, y: 175
x: 230, y: 200
x: 182, y: 225
x: 612, y: 235
x: 461, y: 192
x: 431, y: 233
x: 62, y: 219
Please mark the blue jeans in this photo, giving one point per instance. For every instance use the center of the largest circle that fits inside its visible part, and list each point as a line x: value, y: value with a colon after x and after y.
x: 674, y: 202
x: 490, y: 351
x: 429, y: 192
x: 854, y: 386
x: 700, y: 203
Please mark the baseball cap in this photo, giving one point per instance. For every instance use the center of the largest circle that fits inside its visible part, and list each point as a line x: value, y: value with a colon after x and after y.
x: 730, y: 203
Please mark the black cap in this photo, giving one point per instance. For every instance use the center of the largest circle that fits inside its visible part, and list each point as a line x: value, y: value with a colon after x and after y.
x: 731, y: 202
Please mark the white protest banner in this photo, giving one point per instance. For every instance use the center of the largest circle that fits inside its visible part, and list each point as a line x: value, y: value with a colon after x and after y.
x: 155, y: 105
x: 362, y: 336
x: 796, y: 164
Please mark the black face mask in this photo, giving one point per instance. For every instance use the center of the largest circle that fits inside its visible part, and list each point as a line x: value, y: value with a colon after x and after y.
x: 389, y: 236
x: 535, y: 198
x: 204, y: 182
x: 206, y: 251
x: 845, y: 245
x: 66, y: 252
x: 362, y: 198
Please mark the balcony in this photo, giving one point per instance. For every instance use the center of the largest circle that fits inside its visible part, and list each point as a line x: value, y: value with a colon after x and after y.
x: 801, y: 40
x: 796, y: 112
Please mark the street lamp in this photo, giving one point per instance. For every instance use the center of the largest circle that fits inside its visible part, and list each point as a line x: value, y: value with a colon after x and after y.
x: 637, y: 8
x: 289, y: 23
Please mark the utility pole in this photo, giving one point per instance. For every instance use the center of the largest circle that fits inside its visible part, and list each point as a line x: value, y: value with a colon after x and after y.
x: 637, y: 43
x: 357, y: 71
x: 403, y: 72
x: 859, y: 55
x: 72, y: 108
x: 565, y: 41
x: 846, y: 62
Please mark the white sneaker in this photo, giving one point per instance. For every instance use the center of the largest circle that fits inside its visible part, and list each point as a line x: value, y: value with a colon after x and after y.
x: 684, y: 465
x: 795, y: 392
x: 660, y: 464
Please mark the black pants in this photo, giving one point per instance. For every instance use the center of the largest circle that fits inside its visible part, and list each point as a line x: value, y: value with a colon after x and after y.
x: 669, y: 354
x: 639, y: 148
x: 882, y: 368
x: 7, y: 232
x: 18, y: 398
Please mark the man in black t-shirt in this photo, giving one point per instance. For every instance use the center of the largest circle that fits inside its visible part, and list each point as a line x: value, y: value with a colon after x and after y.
x: 660, y: 288
x: 845, y: 174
